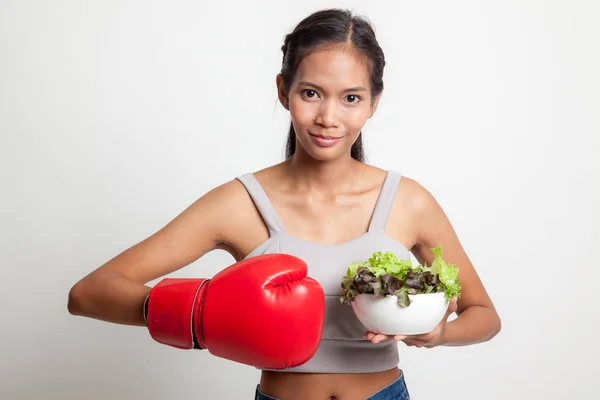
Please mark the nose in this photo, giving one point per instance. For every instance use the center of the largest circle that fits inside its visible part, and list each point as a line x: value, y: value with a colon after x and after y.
x: 328, y: 115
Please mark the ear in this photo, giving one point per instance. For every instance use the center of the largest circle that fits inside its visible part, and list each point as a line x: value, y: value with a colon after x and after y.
x: 374, y: 105
x: 281, y: 92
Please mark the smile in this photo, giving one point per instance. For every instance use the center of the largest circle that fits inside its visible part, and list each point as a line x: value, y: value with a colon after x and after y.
x: 324, y: 141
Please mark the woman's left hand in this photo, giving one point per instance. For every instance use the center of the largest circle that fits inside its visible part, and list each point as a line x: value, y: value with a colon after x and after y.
x: 427, y: 340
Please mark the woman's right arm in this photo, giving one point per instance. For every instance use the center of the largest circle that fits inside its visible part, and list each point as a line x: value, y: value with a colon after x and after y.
x: 115, y: 292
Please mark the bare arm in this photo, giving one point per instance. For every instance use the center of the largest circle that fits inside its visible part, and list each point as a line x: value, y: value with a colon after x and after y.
x: 477, y: 319
x: 115, y: 292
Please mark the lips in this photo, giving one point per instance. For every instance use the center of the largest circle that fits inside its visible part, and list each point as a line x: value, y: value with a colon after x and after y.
x: 323, y: 140
x: 324, y: 137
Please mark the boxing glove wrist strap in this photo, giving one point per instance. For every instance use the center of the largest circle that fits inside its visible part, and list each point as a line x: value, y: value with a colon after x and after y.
x: 145, y: 309
x: 198, y: 332
x: 170, y: 311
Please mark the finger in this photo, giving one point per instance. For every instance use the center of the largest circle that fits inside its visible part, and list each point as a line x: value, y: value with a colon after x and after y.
x: 379, y: 338
x: 414, y: 342
x: 424, y: 337
x: 375, y: 336
x: 420, y: 343
x: 453, y: 305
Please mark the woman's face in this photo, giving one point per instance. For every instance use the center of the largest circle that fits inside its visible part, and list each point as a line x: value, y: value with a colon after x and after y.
x: 329, y: 101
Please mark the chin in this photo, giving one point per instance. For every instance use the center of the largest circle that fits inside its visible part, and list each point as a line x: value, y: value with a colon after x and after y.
x: 323, y: 154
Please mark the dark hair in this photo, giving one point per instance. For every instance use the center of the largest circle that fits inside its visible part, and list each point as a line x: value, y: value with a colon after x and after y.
x: 330, y: 27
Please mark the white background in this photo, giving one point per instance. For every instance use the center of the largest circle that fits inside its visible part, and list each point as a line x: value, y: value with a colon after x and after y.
x: 116, y: 115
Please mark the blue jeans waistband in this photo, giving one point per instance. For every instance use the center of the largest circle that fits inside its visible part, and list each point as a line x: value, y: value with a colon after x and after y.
x: 396, y: 390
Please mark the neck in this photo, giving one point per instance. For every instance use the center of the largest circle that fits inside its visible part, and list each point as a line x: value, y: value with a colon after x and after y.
x: 322, y: 176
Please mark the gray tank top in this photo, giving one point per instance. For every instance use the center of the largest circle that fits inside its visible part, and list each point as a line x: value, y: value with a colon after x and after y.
x: 343, y: 348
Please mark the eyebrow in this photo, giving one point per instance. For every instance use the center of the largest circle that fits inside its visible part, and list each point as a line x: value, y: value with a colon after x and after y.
x: 352, y: 89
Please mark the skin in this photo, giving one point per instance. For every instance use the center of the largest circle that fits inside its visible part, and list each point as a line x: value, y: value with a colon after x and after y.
x: 321, y: 195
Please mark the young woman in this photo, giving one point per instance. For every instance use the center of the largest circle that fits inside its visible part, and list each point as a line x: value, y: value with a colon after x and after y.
x: 323, y: 204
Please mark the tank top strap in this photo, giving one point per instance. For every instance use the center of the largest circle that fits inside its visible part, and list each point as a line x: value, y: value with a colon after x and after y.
x: 262, y: 203
x: 385, y: 201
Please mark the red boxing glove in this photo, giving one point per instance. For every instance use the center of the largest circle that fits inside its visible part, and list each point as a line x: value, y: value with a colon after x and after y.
x: 263, y: 311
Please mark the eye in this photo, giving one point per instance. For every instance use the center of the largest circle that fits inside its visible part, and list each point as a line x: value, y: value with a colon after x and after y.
x: 353, y: 99
x: 309, y: 93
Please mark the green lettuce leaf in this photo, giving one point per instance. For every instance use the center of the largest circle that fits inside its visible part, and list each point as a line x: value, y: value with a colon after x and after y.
x: 383, y: 274
x: 448, y: 274
x: 388, y: 263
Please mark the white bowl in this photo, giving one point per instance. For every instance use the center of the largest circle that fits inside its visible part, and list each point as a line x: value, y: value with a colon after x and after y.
x: 385, y: 316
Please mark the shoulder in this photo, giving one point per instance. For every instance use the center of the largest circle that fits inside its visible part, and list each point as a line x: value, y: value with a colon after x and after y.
x: 423, y: 213
x: 229, y: 201
x: 414, y: 209
x: 241, y: 225
x: 415, y: 196
x: 233, y: 193
x: 227, y: 195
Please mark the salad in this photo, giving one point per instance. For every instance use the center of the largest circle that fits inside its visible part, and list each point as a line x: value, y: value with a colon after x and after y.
x: 383, y: 274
